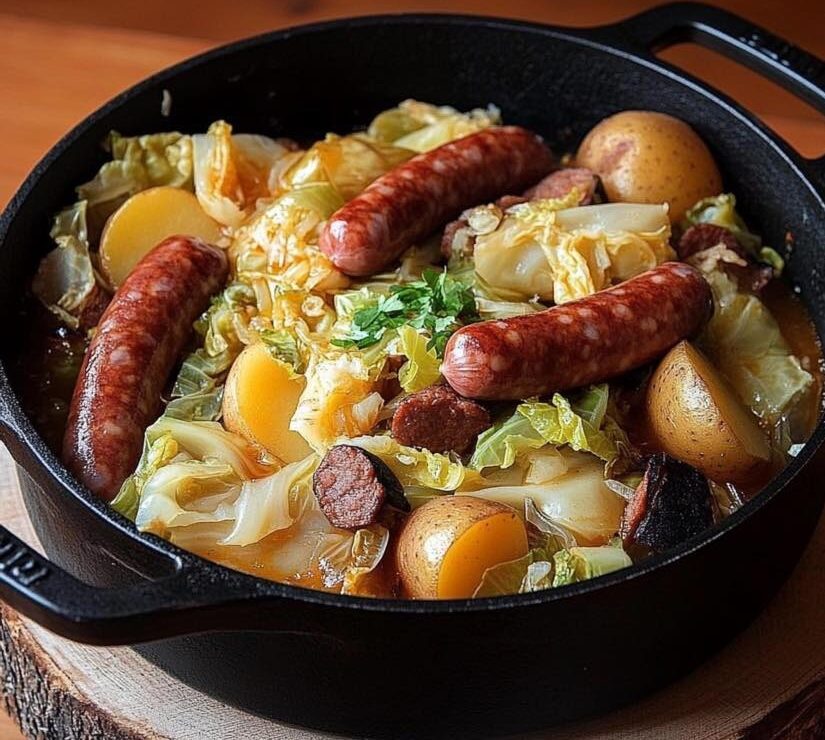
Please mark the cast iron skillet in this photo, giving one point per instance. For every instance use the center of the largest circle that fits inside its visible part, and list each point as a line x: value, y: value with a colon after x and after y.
x: 399, y: 667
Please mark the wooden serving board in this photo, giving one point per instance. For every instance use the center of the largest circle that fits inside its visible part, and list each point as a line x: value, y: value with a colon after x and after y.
x: 769, y: 683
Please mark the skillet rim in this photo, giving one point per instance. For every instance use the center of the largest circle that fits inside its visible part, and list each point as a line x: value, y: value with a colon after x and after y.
x: 239, y: 586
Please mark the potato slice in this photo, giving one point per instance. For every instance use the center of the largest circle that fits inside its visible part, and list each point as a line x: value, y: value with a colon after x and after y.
x: 697, y: 417
x: 259, y: 400
x: 145, y: 220
x: 449, y: 542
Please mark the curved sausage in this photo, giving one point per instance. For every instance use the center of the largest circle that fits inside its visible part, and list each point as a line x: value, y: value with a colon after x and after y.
x: 140, y: 337
x: 439, y: 420
x: 412, y: 200
x: 581, y: 342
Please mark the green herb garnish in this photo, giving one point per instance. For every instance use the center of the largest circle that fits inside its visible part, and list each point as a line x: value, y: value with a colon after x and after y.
x: 438, y: 304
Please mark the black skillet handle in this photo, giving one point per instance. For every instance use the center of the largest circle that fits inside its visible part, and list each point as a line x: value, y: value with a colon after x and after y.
x: 794, y: 69
x: 190, y: 599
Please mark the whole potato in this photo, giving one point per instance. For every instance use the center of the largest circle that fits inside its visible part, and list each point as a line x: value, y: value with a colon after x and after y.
x: 448, y: 543
x: 649, y: 157
x: 696, y: 417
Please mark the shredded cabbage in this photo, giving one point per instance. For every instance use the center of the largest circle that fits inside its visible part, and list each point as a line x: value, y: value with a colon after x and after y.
x: 544, y: 249
x: 369, y: 546
x: 281, y: 239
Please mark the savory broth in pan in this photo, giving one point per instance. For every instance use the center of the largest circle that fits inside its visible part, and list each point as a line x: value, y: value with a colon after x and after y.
x: 427, y: 360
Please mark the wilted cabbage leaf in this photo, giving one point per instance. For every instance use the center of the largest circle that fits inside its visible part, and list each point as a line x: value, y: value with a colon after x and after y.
x: 422, y: 126
x: 347, y: 163
x: 138, y: 163
x: 339, y: 400
x: 743, y: 339
x: 546, y: 249
x: 65, y: 281
x: 414, y: 467
x: 231, y: 172
x: 506, y: 578
x: 581, y: 563
x: 502, y: 443
x: 368, y: 548
x: 158, y: 450
x: 422, y: 368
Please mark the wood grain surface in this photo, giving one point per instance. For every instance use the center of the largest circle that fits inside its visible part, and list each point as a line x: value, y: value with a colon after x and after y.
x: 61, y: 60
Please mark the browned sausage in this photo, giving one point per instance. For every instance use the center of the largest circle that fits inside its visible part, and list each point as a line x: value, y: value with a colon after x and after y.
x: 411, y: 201
x: 351, y: 486
x: 561, y: 182
x: 140, y: 337
x: 585, y: 341
x: 440, y: 420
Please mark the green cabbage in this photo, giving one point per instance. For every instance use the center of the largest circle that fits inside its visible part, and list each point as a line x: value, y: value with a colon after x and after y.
x: 348, y: 163
x: 552, y: 251
x: 158, y: 450
x: 581, y: 563
x: 66, y: 281
x: 414, y: 467
x: 506, y: 578
x: 501, y: 444
x: 422, y: 368
x: 138, y: 163
x: 369, y: 546
x: 721, y: 211
x: 745, y: 342
x: 422, y: 126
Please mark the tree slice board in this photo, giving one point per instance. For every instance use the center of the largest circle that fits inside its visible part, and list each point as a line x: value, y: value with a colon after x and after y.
x: 769, y: 683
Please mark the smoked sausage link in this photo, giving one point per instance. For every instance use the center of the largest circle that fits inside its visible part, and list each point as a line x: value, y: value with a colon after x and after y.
x: 412, y: 200
x: 585, y: 341
x: 139, y: 339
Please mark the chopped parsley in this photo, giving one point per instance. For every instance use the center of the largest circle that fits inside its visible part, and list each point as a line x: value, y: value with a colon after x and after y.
x: 438, y: 304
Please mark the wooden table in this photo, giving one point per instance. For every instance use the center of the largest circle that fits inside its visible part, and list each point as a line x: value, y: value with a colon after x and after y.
x: 61, y: 60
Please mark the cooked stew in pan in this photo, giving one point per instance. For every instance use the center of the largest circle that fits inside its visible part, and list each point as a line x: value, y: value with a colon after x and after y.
x: 428, y: 360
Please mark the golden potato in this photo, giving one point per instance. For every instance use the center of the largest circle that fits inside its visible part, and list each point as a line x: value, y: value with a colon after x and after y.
x: 259, y: 399
x: 696, y: 416
x: 144, y: 221
x: 648, y: 157
x: 448, y: 543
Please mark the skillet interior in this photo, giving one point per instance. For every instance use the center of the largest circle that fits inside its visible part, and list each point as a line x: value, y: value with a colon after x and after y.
x: 659, y: 621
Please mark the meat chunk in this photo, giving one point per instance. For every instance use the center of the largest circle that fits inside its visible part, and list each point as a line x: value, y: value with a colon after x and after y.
x: 699, y: 237
x: 352, y: 485
x: 560, y: 183
x: 439, y: 420
x: 671, y: 504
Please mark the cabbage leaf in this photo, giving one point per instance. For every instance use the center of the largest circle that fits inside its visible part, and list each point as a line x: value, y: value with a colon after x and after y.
x: 66, y: 282
x: 232, y: 172
x: 422, y: 126
x: 422, y: 368
x: 138, y: 163
x: 745, y: 342
x: 418, y: 467
x: 346, y: 163
x: 582, y: 563
x: 544, y: 248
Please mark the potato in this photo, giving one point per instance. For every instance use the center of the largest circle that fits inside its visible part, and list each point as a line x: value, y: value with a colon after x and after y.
x: 648, y: 157
x: 145, y: 220
x: 259, y: 399
x: 448, y: 543
x: 696, y: 416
